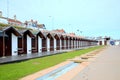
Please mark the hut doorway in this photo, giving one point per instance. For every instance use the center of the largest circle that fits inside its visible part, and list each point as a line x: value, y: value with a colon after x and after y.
x: 29, y: 47
x: 14, y: 45
x: 39, y: 44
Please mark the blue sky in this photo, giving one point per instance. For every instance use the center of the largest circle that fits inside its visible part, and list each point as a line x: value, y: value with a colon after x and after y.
x: 92, y: 17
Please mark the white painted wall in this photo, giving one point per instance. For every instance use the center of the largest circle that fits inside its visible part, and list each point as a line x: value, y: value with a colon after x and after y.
x: 48, y: 44
x: 39, y: 44
x: 60, y: 44
x: 14, y: 45
x: 117, y: 43
x: 54, y: 44
x: 98, y: 43
x: 29, y: 46
x: 64, y: 44
x: 103, y: 42
x: 108, y: 42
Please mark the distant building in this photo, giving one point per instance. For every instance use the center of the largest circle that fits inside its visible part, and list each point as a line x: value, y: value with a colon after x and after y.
x: 117, y: 42
x: 10, y: 21
x: 34, y: 25
x: 73, y: 34
x: 103, y: 41
x: 59, y: 30
x: 15, y: 22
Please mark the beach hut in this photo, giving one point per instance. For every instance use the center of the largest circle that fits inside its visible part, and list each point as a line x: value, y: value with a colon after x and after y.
x: 44, y: 44
x: 75, y: 43
x: 3, y: 38
x: 45, y: 41
x: 67, y: 41
x: 50, y: 42
x: 57, y: 37
x: 78, y: 42
x: 34, y: 44
x: 56, y: 42
x: 40, y: 36
x: 81, y: 42
x: 73, y: 46
x: 36, y: 40
x: 10, y: 43
x: 20, y: 45
x: 62, y: 41
x: 27, y: 39
x: 70, y: 42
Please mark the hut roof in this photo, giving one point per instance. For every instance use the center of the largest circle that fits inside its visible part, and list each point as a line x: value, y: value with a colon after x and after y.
x: 10, y: 28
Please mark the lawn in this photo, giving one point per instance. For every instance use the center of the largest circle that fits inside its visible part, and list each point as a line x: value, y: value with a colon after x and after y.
x: 15, y: 71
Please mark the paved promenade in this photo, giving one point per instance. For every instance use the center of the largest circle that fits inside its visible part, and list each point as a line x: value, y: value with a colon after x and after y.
x: 9, y: 59
x: 105, y: 67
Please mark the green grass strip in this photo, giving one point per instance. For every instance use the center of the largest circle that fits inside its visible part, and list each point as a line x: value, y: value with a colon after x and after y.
x: 15, y: 71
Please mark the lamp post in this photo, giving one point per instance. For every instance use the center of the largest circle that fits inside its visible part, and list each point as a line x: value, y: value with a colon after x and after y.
x: 79, y: 31
x: 8, y: 11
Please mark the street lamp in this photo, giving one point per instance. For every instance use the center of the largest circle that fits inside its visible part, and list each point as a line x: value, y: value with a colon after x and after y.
x: 52, y: 24
x: 79, y: 31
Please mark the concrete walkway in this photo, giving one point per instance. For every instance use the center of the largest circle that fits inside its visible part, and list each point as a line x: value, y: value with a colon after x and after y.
x: 8, y: 59
x: 105, y: 67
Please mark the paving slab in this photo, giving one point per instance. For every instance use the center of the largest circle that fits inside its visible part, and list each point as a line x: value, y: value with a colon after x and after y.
x: 105, y: 67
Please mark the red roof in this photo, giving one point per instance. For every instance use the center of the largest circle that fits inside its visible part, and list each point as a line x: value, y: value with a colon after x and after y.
x: 60, y: 30
x: 16, y: 21
x: 72, y: 34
